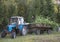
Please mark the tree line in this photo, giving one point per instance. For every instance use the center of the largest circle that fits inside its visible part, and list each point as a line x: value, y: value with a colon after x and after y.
x: 29, y: 9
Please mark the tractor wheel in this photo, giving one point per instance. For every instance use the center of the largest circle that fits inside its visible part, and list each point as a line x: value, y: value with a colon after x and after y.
x: 13, y: 34
x: 24, y: 31
x: 3, y: 34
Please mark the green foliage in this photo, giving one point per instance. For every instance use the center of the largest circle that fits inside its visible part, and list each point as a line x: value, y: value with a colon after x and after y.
x: 40, y: 19
x: 42, y: 7
x: 29, y: 8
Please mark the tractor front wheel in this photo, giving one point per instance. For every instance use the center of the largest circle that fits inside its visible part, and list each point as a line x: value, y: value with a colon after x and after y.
x: 3, y: 34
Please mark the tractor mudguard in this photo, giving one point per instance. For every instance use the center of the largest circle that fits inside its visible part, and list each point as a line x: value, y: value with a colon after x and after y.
x: 20, y: 27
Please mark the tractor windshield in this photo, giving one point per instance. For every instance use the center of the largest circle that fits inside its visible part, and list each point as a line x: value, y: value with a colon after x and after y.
x: 13, y: 20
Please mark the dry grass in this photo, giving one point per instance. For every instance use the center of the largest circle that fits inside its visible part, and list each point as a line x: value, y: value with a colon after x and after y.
x: 33, y: 38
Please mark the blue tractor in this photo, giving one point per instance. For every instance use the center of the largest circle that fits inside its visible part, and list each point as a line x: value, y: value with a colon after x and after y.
x: 16, y: 26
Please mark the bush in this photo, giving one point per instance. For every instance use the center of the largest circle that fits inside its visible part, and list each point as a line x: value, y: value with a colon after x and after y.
x: 40, y: 19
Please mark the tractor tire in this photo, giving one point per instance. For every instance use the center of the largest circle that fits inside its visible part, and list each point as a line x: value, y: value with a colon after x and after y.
x: 3, y: 34
x: 24, y: 31
x: 13, y: 35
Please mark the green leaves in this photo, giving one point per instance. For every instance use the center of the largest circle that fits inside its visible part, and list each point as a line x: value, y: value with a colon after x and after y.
x: 29, y: 8
x: 40, y: 19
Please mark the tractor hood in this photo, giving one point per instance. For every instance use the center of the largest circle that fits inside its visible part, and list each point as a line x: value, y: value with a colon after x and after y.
x: 10, y: 27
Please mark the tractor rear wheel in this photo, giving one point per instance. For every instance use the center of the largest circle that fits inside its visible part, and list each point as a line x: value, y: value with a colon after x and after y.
x: 24, y: 31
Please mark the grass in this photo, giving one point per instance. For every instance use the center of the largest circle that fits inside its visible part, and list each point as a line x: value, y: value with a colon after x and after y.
x: 33, y: 38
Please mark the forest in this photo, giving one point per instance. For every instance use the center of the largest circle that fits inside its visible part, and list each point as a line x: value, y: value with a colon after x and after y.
x: 33, y: 11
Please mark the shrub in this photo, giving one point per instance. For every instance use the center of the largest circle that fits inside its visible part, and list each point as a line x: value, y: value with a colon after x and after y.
x: 40, y: 19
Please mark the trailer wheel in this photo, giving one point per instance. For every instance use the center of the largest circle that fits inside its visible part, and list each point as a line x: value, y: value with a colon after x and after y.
x: 24, y: 31
x: 49, y: 31
x: 37, y: 32
x: 3, y: 34
x: 13, y: 34
x: 42, y: 31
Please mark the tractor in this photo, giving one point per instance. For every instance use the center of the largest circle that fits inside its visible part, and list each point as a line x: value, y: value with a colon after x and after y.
x: 16, y: 26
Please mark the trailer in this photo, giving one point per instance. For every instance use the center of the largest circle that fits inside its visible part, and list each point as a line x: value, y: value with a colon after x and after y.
x: 39, y: 28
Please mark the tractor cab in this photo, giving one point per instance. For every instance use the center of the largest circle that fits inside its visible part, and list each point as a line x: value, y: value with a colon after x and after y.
x: 16, y: 20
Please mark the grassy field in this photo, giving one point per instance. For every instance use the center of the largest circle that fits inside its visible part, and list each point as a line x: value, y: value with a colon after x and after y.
x: 33, y: 38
